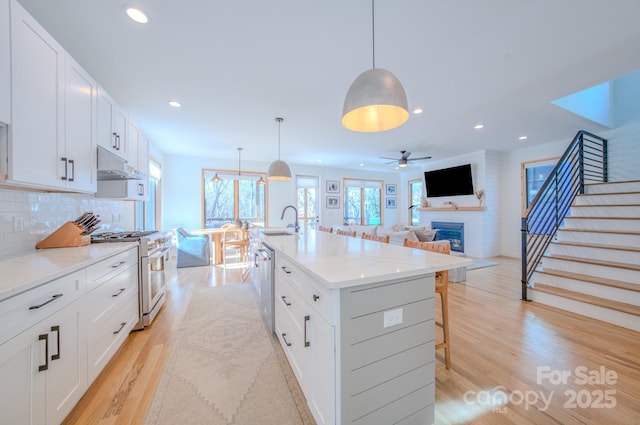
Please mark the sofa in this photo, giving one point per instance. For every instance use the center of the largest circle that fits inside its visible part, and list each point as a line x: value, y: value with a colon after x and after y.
x: 397, y: 233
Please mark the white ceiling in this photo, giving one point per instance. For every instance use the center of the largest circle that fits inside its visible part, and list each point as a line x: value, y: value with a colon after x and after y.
x: 237, y: 65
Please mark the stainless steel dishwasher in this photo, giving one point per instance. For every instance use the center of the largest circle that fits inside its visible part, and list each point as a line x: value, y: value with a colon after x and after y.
x: 263, y: 262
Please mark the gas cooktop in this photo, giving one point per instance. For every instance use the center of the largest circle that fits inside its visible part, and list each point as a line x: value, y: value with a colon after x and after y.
x: 125, y: 236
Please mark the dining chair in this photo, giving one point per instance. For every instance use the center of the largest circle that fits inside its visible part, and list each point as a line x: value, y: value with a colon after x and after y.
x: 237, y: 239
x: 370, y: 237
x: 325, y: 229
x: 346, y: 233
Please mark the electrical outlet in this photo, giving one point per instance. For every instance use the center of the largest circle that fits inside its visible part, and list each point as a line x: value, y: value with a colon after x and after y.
x: 392, y: 317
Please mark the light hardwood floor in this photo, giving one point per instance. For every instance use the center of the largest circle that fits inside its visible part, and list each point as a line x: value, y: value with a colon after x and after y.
x: 502, y: 348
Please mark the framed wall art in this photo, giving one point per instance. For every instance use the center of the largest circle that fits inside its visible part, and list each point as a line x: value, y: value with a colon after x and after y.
x: 333, y: 186
x: 392, y: 189
x: 333, y: 202
x: 391, y: 201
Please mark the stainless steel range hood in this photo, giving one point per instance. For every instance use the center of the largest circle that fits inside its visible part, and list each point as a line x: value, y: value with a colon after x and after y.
x: 112, y: 167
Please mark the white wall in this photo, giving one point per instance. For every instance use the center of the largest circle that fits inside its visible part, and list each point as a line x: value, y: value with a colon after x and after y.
x: 182, y: 191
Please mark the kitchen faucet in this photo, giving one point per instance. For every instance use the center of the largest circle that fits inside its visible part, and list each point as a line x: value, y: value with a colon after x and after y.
x: 296, y: 225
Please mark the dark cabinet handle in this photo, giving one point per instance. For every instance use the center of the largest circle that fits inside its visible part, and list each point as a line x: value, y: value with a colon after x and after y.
x: 56, y: 329
x: 284, y: 299
x: 284, y: 269
x: 119, y: 292
x: 63, y: 159
x: 284, y: 337
x: 73, y: 170
x: 115, y: 140
x: 316, y: 297
x: 53, y: 298
x: 115, y: 266
x: 140, y: 189
x: 45, y: 366
x: 122, y: 325
x: 306, y: 341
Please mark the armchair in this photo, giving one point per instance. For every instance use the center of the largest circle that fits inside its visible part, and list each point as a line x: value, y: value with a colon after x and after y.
x: 193, y: 250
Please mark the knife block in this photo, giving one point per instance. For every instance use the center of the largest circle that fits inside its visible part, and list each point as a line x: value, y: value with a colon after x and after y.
x: 69, y: 234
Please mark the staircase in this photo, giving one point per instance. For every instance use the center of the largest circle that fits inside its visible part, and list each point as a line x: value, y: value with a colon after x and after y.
x: 592, y: 266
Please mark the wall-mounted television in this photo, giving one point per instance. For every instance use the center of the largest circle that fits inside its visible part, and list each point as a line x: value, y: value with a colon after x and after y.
x: 451, y: 181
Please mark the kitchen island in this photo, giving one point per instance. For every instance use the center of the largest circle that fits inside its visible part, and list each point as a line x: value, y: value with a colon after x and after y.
x: 355, y: 319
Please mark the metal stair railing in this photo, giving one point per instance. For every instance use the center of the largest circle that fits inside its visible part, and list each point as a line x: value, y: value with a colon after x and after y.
x: 584, y: 161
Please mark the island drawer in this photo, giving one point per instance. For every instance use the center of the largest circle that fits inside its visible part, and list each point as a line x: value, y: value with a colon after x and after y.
x: 319, y: 297
x: 21, y: 312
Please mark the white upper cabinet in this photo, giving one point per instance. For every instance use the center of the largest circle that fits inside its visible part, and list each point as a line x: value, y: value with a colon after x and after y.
x: 53, y: 105
x: 80, y: 127
x: 5, y: 67
x: 37, y: 65
x: 112, y: 125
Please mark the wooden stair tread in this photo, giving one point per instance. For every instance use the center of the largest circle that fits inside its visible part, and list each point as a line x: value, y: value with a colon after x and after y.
x: 634, y: 192
x: 589, y: 299
x: 591, y: 279
x: 582, y: 217
x: 614, y: 264
x: 594, y: 245
x: 604, y: 232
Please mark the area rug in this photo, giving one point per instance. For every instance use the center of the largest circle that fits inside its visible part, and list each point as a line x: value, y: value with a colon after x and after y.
x: 479, y: 263
x: 226, y: 369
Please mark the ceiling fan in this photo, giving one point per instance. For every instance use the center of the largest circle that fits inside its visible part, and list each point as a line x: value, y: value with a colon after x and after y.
x: 404, y: 160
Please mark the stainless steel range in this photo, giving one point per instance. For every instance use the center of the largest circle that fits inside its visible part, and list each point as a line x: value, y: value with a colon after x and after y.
x: 154, y: 253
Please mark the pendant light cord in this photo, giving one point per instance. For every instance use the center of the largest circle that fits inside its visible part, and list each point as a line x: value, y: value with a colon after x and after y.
x: 239, y: 152
x: 373, y: 31
x: 279, y: 120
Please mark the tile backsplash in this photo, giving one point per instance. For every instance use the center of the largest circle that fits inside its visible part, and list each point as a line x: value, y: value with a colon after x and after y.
x: 28, y: 217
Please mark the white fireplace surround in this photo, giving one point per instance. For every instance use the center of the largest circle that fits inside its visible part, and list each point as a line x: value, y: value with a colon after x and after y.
x: 474, y: 228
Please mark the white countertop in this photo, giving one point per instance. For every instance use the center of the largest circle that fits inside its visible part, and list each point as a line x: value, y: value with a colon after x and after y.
x: 342, y: 261
x: 29, y: 270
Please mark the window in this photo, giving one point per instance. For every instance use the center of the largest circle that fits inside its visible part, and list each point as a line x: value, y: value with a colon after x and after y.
x: 307, y: 199
x: 147, y: 212
x: 363, y: 202
x: 415, y: 193
x: 534, y: 174
x: 234, y: 196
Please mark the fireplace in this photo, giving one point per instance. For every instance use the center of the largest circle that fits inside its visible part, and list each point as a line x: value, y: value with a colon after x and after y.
x: 453, y: 232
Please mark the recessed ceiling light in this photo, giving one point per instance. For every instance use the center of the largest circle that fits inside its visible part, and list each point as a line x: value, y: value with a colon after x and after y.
x: 361, y: 164
x: 478, y: 126
x: 175, y: 103
x: 319, y: 160
x: 136, y: 14
x: 522, y: 138
x: 418, y: 111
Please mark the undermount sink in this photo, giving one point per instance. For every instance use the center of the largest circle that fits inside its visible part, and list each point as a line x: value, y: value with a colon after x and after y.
x: 277, y: 233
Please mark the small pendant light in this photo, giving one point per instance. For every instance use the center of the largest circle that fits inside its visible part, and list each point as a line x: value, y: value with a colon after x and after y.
x: 279, y: 170
x: 215, y: 178
x: 376, y: 100
x: 261, y: 181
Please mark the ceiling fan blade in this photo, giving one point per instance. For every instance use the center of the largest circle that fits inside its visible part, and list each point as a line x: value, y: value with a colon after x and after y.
x: 405, y: 154
x: 392, y: 159
x: 391, y: 162
x: 416, y: 159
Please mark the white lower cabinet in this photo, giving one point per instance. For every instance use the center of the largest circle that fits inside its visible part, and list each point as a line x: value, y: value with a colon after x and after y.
x: 56, y: 338
x: 308, y: 340
x: 44, y: 369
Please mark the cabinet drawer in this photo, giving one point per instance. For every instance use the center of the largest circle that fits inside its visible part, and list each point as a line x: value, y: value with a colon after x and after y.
x: 27, y: 309
x: 289, y: 331
x: 106, y: 340
x: 108, y: 296
x: 101, y: 272
x: 313, y: 292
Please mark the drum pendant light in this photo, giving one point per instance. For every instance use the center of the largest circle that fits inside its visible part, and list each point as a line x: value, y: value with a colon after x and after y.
x: 279, y: 170
x: 376, y: 100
